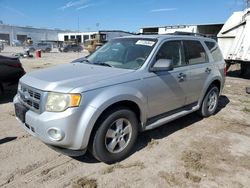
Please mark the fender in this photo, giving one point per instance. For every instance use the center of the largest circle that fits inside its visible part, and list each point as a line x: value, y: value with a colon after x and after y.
x: 103, y: 98
x: 206, y: 86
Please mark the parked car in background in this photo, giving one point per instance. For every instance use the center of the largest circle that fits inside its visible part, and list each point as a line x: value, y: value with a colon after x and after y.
x: 44, y: 47
x: 11, y: 71
x: 71, y: 48
x: 130, y: 84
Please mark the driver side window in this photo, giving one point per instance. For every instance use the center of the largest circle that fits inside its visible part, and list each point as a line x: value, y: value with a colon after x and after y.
x: 172, y: 50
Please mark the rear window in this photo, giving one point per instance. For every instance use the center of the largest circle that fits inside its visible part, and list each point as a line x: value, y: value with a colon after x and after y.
x: 214, y: 50
x: 195, y: 53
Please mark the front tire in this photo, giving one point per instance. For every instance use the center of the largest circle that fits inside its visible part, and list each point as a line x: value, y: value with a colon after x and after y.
x: 210, y: 102
x: 116, y: 135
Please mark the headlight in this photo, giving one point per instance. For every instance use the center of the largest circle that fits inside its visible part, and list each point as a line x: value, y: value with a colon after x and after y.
x: 58, y: 102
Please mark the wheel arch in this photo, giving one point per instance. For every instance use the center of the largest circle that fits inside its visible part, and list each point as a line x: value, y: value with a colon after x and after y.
x: 133, y: 106
x: 204, y: 112
x: 216, y: 82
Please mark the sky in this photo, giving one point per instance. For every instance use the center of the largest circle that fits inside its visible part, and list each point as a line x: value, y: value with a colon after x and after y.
x: 127, y: 15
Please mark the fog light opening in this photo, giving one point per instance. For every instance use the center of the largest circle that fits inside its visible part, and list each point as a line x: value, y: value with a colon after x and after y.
x: 55, y: 134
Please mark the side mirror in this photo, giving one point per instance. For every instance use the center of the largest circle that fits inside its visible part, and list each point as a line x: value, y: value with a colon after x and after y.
x: 162, y: 65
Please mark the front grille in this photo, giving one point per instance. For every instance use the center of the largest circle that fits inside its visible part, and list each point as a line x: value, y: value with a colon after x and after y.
x: 30, y: 97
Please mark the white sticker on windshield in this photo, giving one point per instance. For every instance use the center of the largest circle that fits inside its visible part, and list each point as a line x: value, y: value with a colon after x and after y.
x: 145, y: 42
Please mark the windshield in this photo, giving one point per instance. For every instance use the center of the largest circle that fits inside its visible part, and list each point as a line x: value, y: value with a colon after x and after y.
x: 126, y: 53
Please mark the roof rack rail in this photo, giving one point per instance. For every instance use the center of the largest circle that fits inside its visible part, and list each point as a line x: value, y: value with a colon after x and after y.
x: 179, y: 33
x: 188, y: 33
x: 148, y: 33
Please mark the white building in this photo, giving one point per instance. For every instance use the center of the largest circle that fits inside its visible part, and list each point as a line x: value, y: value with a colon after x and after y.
x: 81, y: 37
x: 10, y: 33
x: 71, y: 36
x: 207, y: 29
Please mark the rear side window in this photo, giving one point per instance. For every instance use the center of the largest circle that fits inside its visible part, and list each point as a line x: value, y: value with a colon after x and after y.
x: 214, y: 50
x: 194, y: 51
x: 172, y: 50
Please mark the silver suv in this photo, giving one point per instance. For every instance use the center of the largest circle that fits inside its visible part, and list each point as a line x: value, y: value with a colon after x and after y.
x: 130, y: 84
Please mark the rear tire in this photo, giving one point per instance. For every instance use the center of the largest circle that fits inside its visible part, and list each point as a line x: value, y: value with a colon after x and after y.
x: 116, y: 135
x: 210, y: 102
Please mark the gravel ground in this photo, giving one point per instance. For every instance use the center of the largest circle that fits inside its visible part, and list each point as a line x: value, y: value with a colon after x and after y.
x: 188, y: 152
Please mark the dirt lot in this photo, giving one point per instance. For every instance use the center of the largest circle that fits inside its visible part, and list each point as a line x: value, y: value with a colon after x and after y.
x: 189, y: 152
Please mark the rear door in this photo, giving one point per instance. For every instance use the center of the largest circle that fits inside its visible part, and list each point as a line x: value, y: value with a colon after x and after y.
x: 199, y: 69
x: 166, y: 90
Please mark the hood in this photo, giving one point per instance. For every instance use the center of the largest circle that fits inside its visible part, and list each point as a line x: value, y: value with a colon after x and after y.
x: 64, y: 78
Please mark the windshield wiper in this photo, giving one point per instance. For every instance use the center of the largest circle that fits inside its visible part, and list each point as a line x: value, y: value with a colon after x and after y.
x: 86, y: 61
x: 103, y: 64
x: 81, y: 60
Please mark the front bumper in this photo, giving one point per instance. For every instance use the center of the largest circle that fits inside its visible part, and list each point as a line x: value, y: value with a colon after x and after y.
x: 73, y: 124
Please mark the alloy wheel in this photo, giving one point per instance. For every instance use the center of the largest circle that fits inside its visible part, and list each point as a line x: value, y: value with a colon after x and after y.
x: 118, y: 135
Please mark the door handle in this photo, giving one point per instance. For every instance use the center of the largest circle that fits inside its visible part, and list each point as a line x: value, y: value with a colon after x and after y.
x: 181, y: 77
x: 208, y: 70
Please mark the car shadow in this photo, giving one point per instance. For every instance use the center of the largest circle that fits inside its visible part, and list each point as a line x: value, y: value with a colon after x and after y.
x: 145, y: 138
x: 8, y: 94
x: 7, y: 139
x: 223, y: 102
x: 87, y: 158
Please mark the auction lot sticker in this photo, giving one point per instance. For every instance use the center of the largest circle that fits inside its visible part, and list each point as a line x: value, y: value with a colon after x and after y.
x: 145, y: 42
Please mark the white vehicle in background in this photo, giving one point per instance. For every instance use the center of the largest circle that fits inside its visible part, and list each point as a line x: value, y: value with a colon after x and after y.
x: 234, y: 40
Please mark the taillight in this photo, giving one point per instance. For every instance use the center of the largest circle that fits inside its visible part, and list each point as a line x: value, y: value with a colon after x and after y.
x: 225, y: 69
